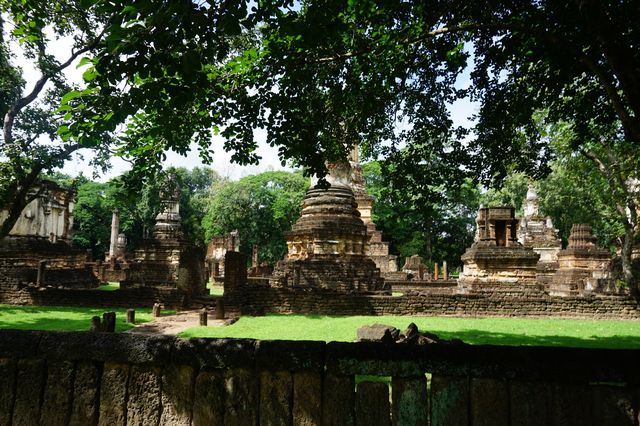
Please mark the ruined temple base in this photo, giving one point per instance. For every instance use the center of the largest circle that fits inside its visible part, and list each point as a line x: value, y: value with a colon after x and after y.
x: 65, y: 266
x: 583, y: 270
x: 167, y: 264
x: 338, y: 273
x: 263, y: 299
x: 494, y: 269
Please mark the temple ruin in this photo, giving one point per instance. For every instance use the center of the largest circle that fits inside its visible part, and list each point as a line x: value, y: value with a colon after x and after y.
x: 38, y: 250
x: 328, y: 244
x: 377, y: 250
x: 497, y: 261
x: 117, y: 262
x: 583, y: 266
x: 537, y: 232
x: 217, y: 249
x: 168, y: 260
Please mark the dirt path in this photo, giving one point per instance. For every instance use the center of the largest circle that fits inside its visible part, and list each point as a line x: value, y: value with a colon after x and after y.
x: 174, y: 324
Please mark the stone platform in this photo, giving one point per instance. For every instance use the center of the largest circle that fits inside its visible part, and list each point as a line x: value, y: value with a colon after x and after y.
x: 60, y: 264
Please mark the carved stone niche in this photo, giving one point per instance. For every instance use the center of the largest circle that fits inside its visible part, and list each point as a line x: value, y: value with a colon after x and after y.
x: 497, y: 227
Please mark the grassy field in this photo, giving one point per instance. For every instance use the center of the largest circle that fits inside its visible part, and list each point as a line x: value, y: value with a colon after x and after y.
x: 215, y: 289
x: 494, y: 331
x: 62, y: 319
x: 109, y: 287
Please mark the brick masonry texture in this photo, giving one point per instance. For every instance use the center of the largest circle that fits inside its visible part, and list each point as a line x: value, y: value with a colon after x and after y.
x: 259, y: 299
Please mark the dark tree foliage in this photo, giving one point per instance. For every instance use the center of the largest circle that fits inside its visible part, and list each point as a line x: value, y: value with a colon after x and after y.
x: 320, y: 76
x: 437, y: 232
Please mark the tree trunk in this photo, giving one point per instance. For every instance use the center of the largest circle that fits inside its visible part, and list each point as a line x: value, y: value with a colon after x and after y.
x: 627, y: 267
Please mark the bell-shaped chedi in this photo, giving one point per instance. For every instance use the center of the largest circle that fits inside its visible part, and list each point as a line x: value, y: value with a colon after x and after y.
x: 583, y: 266
x: 327, y: 246
x: 497, y: 261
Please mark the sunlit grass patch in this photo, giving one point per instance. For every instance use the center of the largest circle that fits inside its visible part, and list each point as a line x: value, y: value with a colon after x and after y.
x: 111, y: 286
x: 495, y: 331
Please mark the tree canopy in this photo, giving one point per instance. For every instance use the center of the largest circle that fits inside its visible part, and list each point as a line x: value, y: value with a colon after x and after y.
x: 33, y: 117
x: 261, y: 207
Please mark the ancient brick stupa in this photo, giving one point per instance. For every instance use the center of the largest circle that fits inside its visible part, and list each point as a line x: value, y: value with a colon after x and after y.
x: 537, y: 232
x: 583, y: 266
x: 327, y: 246
x: 497, y: 261
x: 378, y: 250
x: 167, y: 260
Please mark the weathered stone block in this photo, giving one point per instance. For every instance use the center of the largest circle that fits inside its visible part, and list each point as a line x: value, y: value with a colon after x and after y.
x: 143, y: 404
x: 489, y: 402
x: 113, y: 395
x: 276, y: 390
x: 208, y: 402
x: 307, y: 398
x: 571, y: 404
x: 372, y: 404
x: 84, y: 410
x: 29, y: 384
x: 449, y: 400
x: 613, y: 405
x: 377, y: 333
x: 56, y: 406
x: 529, y: 403
x: 241, y: 388
x: 7, y: 383
x: 338, y: 400
x: 177, y: 395
x: 409, y: 400
x: 286, y: 355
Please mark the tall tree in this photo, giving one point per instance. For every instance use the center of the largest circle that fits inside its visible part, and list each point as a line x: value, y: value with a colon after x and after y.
x: 261, y: 207
x: 437, y: 231
x: 319, y: 76
x: 30, y: 144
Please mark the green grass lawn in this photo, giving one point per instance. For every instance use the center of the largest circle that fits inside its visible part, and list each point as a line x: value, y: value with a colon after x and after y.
x: 215, y: 289
x: 62, y: 318
x: 111, y: 286
x: 494, y: 331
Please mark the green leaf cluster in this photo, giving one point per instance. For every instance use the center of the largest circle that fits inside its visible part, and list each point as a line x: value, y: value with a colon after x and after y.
x: 261, y: 207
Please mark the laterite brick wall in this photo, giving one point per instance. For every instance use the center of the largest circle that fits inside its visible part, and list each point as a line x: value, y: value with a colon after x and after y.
x: 119, y: 379
x: 262, y: 299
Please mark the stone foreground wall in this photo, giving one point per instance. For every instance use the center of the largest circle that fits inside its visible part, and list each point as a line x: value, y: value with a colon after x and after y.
x: 259, y: 299
x: 105, y: 379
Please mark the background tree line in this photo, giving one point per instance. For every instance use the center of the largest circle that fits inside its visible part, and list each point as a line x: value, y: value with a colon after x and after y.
x: 263, y: 208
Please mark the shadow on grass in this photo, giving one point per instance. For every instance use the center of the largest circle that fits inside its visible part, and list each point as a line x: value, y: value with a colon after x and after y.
x: 478, y: 337
x: 59, y: 324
